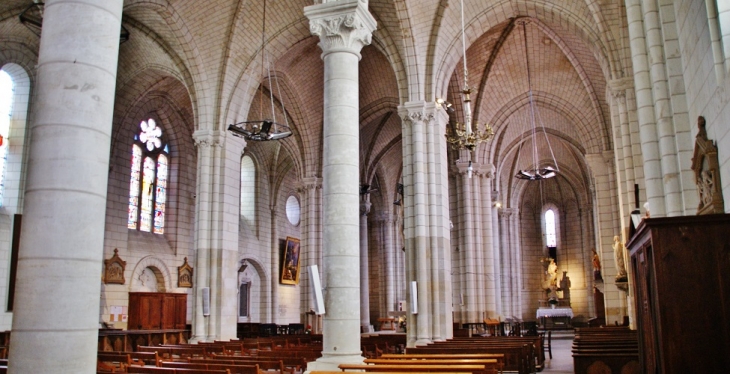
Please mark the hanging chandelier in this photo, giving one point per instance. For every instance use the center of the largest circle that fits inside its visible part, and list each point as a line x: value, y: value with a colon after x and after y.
x: 538, y: 173
x: 462, y: 136
x: 265, y: 129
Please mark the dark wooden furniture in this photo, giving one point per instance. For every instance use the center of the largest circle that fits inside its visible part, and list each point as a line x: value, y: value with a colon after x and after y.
x: 157, y: 310
x: 681, y: 276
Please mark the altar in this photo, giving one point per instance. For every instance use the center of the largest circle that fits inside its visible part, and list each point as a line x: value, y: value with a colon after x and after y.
x: 554, y: 318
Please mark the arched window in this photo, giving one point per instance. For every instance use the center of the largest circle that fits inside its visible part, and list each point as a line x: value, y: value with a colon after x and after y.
x: 7, y: 90
x: 248, y: 190
x: 550, y: 236
x: 148, y: 179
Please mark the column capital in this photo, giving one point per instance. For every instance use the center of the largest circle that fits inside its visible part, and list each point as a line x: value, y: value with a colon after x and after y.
x: 309, y: 183
x: 621, y: 84
x: 342, y: 26
x: 208, y: 138
x: 417, y: 111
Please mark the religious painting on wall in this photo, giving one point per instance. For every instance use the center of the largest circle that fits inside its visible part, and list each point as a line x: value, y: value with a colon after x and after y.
x: 290, y: 263
x: 114, y: 269
x: 185, y: 275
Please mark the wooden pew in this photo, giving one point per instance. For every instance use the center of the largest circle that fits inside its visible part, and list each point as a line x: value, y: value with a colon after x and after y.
x: 516, y: 357
x: 415, y: 368
x: 290, y: 363
x: 161, y: 370
x: 490, y: 365
x: 374, y: 372
x: 499, y: 358
x: 263, y: 364
x: 179, y: 353
x: 614, y: 349
x: 232, y: 369
x: 536, y: 341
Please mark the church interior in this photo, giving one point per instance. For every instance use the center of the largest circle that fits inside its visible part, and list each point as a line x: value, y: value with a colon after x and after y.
x: 422, y: 168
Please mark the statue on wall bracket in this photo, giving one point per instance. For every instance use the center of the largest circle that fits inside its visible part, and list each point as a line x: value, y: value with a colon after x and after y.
x: 114, y: 269
x: 185, y: 275
x: 706, y: 166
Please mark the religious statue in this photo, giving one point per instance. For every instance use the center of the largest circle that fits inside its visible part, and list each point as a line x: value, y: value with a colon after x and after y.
x: 618, y: 256
x: 553, y: 272
x: 565, y: 286
x: 596, y: 266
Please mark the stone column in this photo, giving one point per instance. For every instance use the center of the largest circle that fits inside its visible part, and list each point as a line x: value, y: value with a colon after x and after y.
x: 466, y: 246
x: 364, y: 265
x: 499, y: 267
x: 310, y: 192
x: 606, y: 227
x: 344, y: 27
x: 386, y: 225
x: 645, y: 110
x: 56, y: 312
x: 618, y: 91
x: 427, y: 237
x: 490, y: 269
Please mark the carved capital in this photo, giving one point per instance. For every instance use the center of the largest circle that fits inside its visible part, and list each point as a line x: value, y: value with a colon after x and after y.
x: 309, y: 184
x: 342, y: 26
x: 208, y: 138
x: 417, y: 111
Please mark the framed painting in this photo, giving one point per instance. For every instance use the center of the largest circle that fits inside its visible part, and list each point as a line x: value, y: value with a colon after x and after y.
x: 290, y: 262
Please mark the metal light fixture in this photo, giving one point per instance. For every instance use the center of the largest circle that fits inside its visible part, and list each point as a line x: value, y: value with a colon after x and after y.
x: 538, y: 173
x: 462, y: 136
x: 265, y: 129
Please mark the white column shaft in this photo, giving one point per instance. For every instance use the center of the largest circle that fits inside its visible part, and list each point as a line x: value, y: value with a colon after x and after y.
x: 645, y: 110
x: 56, y: 310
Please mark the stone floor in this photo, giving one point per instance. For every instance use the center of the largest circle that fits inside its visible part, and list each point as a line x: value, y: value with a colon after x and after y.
x: 562, y: 361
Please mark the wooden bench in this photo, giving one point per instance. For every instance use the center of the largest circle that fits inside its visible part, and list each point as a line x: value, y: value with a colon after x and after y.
x: 232, y: 369
x: 161, y: 370
x: 292, y: 363
x: 606, y: 349
x: 263, y: 364
x: 415, y: 368
x: 516, y: 357
x: 490, y: 365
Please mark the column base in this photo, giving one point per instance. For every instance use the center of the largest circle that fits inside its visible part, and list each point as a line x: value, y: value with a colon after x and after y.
x: 331, y: 362
x: 423, y: 342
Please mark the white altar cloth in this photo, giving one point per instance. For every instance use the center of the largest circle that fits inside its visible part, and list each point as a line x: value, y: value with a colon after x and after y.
x: 557, y: 312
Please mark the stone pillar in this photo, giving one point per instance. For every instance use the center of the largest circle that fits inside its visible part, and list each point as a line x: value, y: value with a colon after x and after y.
x: 496, y: 250
x: 427, y: 236
x: 489, y: 269
x: 663, y: 110
x: 56, y: 312
x: 606, y: 228
x: 310, y: 192
x: 618, y: 91
x: 645, y: 110
x: 469, y: 288
x: 364, y: 265
x: 389, y: 247
x: 344, y: 27
x: 215, y: 258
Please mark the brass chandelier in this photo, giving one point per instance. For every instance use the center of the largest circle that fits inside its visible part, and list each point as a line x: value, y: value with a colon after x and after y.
x: 462, y: 136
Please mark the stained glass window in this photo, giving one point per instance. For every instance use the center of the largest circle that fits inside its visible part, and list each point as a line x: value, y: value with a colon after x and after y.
x: 148, y: 179
x: 550, y: 235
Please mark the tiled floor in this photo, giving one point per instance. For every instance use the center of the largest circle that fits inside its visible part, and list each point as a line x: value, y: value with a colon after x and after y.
x: 562, y: 361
